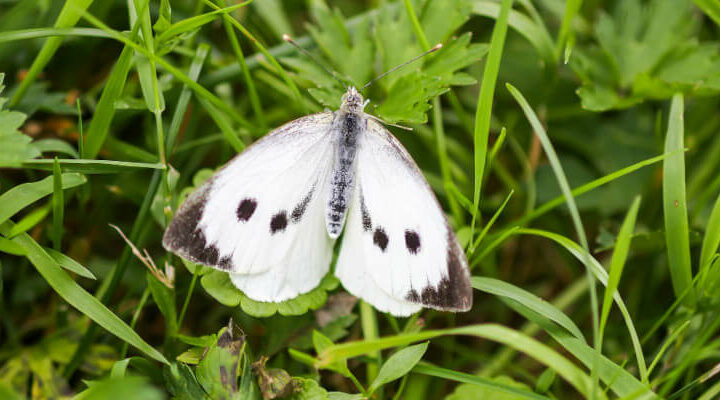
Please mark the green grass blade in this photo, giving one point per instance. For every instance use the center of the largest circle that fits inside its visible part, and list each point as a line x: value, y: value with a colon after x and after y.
x: 670, y: 339
x: 249, y: 82
x: 69, y: 264
x: 496, y: 333
x: 181, y: 107
x: 195, y: 22
x: 69, y: 16
x: 77, y: 297
x: 444, y: 373
x: 492, y: 220
x: 711, y: 8
x: 92, y: 166
x: 529, y: 300
x: 535, y: 34
x: 25, y: 194
x: 711, y: 240
x: 398, y: 365
x: 577, y: 251
x: 622, y: 247
x: 27, y: 222
x: 38, y: 33
x: 566, y: 34
x: 675, y: 203
x: 58, y: 202
x: 483, y: 112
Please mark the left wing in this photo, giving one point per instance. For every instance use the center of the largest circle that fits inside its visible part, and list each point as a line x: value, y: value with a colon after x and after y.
x: 398, y: 252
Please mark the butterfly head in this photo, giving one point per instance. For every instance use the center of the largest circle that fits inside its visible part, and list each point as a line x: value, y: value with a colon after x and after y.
x: 352, y: 101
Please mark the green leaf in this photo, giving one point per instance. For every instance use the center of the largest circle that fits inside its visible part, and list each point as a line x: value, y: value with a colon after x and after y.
x: 92, y: 166
x: 219, y: 286
x: 69, y: 264
x: 398, y: 365
x: 25, y: 194
x: 308, y: 389
x: 322, y: 342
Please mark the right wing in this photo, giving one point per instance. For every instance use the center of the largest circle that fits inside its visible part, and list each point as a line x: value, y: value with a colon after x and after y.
x: 262, y: 216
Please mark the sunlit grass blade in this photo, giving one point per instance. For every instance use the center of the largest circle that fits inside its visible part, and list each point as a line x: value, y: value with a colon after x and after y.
x: 181, y: 107
x: 25, y: 194
x: 444, y: 373
x: 492, y: 220
x: 620, y: 253
x: 669, y: 341
x: 92, y: 166
x: 237, y: 50
x: 58, y: 202
x: 566, y: 34
x: 27, y: 222
x: 711, y: 8
x: 38, y: 33
x: 483, y: 111
x: 675, y: 203
x: 597, y: 269
x: 711, y: 241
x: 535, y: 34
x: 77, y: 297
x: 582, y: 189
x: 500, y: 334
x: 194, y: 22
x: 69, y: 16
x: 529, y: 300
x: 69, y: 264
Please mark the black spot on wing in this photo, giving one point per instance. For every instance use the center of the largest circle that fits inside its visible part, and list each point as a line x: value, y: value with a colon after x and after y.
x: 185, y: 238
x: 453, y: 292
x: 300, y: 209
x: 278, y: 222
x: 412, y: 241
x: 246, y: 209
x: 380, y: 238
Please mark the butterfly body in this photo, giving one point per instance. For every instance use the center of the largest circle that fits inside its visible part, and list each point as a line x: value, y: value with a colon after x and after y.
x: 271, y: 216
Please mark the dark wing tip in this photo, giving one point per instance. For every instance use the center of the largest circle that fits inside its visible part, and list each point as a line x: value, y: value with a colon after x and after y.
x: 185, y: 238
x: 454, y: 292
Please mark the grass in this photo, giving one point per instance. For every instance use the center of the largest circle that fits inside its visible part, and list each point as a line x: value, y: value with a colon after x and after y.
x: 540, y: 126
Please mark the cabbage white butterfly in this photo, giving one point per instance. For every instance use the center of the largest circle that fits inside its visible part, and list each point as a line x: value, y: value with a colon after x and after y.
x: 270, y: 217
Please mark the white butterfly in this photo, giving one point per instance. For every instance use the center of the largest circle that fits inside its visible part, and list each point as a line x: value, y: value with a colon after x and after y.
x: 270, y: 217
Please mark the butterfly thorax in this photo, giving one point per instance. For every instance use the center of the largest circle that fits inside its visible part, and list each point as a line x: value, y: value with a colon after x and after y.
x: 349, y: 122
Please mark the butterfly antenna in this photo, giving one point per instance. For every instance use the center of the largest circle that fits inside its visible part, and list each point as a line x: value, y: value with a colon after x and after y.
x: 377, y: 78
x: 288, y: 39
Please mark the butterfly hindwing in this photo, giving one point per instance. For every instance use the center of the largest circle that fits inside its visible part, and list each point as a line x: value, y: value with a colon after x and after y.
x: 261, y: 217
x: 398, y: 251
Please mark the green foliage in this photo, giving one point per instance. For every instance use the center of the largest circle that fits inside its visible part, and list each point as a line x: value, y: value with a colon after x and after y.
x: 117, y: 110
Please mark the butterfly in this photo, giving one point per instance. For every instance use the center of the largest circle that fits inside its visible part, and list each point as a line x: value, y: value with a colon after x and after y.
x: 271, y: 216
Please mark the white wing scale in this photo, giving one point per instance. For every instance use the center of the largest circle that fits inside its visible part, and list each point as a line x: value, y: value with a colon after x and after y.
x: 398, y: 252
x: 261, y: 217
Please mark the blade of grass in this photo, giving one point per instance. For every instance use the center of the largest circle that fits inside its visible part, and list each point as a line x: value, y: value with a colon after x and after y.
x: 577, y: 251
x: 444, y: 373
x: 622, y: 247
x: 500, y: 334
x: 92, y: 166
x: 675, y: 333
x: 113, y: 279
x: 252, y: 92
x: 278, y: 68
x: 69, y: 16
x: 181, y: 108
x: 483, y: 112
x: 58, y: 202
x: 195, y: 22
x: 25, y: 194
x: 492, y: 220
x: 566, y: 34
x: 77, y: 297
x: 711, y: 241
x: 37, y: 33
x: 675, y: 204
x: 441, y: 141
x: 69, y: 264
x: 27, y: 222
x: 529, y: 300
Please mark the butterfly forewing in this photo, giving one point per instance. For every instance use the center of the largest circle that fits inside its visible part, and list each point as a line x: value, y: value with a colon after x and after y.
x: 398, y: 251
x: 261, y: 217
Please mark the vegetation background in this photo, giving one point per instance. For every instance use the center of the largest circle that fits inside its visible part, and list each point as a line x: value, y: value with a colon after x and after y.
x: 573, y: 144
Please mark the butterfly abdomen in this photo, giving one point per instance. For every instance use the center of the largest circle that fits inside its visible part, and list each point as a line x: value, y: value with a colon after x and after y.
x: 347, y: 126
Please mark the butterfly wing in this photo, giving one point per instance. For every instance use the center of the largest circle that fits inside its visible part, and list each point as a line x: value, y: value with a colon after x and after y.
x: 398, y: 252
x: 261, y: 217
